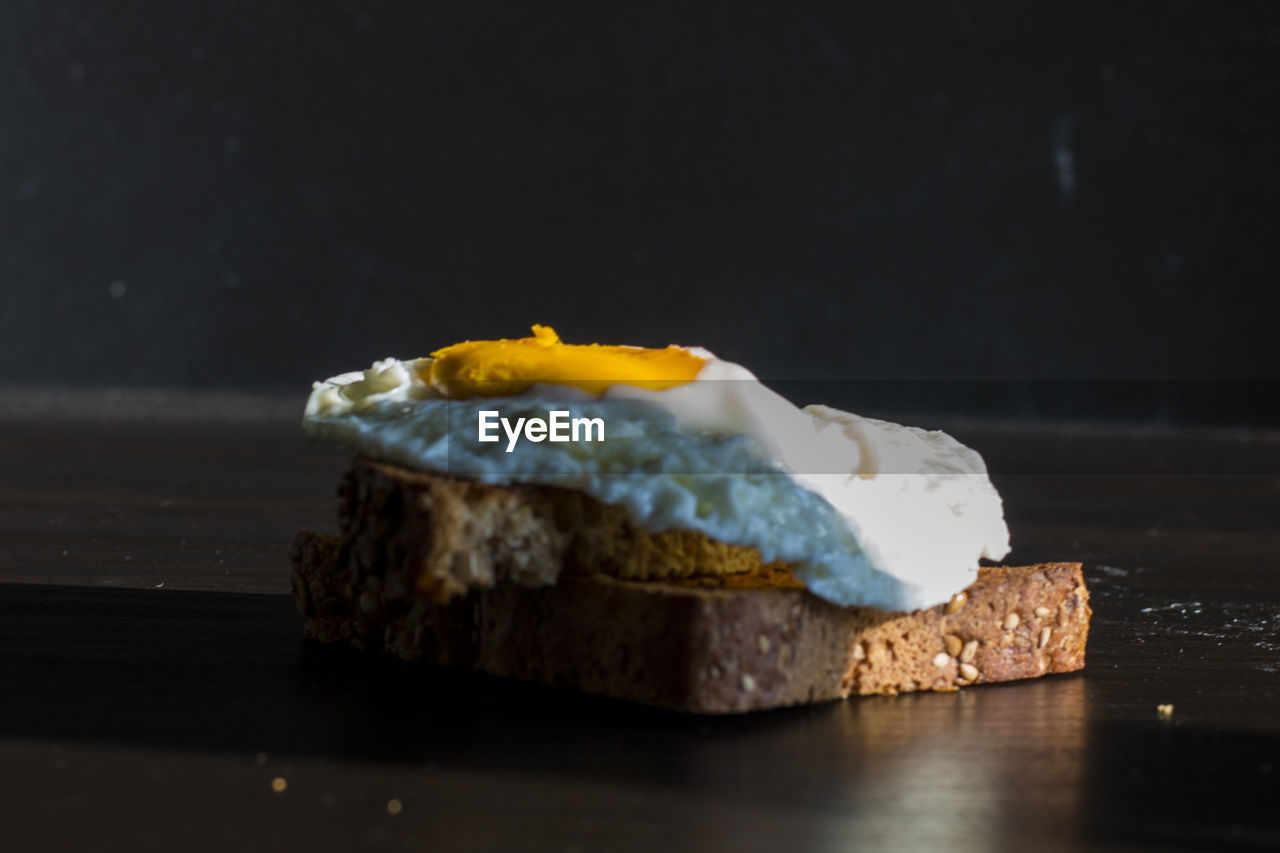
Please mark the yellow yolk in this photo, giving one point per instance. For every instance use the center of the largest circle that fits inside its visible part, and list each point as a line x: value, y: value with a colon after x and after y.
x: 508, y: 367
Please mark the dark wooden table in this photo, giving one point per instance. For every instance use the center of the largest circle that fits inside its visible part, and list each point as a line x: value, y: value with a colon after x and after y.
x: 156, y: 689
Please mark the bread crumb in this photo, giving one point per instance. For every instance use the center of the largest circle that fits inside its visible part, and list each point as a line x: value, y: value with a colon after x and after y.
x: 1165, y: 711
x: 394, y: 806
x: 278, y: 784
x: 941, y: 659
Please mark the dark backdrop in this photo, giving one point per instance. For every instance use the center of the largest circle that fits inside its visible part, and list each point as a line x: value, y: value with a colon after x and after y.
x: 251, y: 195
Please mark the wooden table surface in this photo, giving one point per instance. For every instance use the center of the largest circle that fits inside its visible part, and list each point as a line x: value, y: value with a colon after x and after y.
x: 154, y: 684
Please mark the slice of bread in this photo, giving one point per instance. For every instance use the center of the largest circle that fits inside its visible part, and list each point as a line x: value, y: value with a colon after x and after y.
x: 448, y: 535
x: 501, y: 579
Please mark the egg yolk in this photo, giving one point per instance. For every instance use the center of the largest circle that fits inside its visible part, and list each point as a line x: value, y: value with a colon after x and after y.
x: 507, y: 367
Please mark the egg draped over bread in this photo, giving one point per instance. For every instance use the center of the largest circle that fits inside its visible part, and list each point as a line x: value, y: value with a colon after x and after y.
x: 865, y: 512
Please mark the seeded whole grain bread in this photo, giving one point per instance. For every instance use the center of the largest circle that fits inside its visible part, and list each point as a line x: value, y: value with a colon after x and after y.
x: 501, y: 579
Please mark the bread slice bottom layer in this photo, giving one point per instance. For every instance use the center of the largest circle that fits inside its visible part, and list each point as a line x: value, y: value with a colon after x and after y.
x: 705, y: 650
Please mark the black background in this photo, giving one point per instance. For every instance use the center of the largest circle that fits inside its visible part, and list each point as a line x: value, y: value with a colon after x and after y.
x: 246, y: 195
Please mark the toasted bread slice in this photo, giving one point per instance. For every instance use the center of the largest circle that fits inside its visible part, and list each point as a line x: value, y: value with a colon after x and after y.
x: 420, y: 567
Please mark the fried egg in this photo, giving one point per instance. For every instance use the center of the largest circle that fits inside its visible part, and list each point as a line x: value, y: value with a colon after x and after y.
x: 866, y: 512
